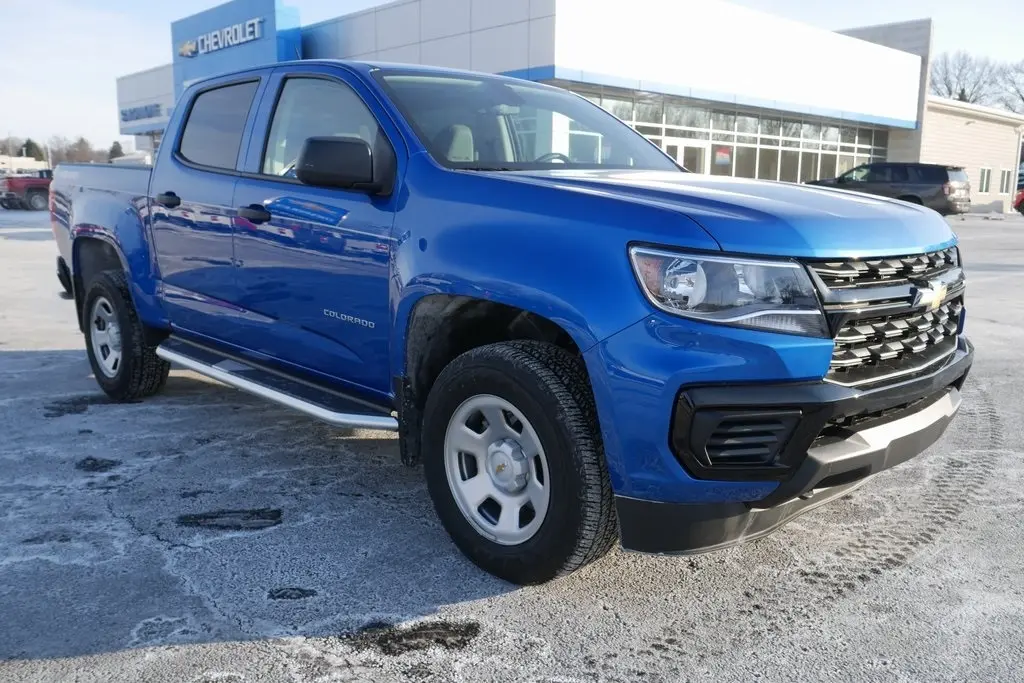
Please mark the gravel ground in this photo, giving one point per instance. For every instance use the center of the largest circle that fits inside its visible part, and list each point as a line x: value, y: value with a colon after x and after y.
x: 206, y: 536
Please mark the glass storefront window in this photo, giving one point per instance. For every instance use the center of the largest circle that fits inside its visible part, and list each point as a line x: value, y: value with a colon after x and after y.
x: 789, y: 169
x: 721, y: 159
x: 678, y: 114
x: 808, y: 166
x: 620, y: 108
x: 810, y: 131
x: 828, y: 166
x: 791, y: 129
x: 746, y: 124
x: 768, y: 164
x: 771, y: 126
x: 846, y: 162
x: 649, y: 109
x: 746, y: 162
x: 723, y: 121
x: 725, y: 137
x: 881, y: 138
x: 864, y: 136
x: 830, y: 134
x: 649, y: 130
x: 848, y: 135
x: 693, y: 159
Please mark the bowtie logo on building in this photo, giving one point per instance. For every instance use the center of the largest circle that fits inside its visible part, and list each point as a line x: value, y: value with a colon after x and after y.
x: 228, y: 36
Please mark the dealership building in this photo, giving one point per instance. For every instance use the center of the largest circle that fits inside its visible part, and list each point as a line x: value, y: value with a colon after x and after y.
x: 738, y: 93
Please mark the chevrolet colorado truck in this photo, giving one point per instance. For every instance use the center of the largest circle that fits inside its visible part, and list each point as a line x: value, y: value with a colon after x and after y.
x: 577, y: 340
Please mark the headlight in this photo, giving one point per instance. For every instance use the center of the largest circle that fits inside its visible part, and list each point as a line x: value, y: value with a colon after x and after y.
x: 767, y: 295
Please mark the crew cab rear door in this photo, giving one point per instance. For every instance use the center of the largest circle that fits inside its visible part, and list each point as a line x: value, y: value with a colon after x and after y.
x: 313, y: 262
x: 191, y: 189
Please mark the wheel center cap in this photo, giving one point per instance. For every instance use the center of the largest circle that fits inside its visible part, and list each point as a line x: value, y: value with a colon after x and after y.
x: 507, y: 465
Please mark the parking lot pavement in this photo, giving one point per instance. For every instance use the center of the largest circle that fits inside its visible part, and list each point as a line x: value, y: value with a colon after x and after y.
x: 205, y: 536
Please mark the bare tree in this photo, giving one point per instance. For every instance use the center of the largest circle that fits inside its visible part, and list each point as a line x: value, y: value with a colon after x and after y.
x: 960, y: 76
x: 1013, y: 87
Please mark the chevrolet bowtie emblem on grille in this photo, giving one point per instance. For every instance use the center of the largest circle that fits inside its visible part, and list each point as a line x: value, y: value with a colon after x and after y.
x: 930, y: 296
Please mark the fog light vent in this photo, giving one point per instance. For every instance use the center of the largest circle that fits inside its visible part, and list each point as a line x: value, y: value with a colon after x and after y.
x: 740, y: 441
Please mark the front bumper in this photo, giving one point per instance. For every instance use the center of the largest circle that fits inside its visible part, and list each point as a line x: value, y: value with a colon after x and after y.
x: 889, y: 426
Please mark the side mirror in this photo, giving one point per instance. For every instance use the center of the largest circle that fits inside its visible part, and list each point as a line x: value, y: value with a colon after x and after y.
x: 843, y: 179
x: 345, y: 162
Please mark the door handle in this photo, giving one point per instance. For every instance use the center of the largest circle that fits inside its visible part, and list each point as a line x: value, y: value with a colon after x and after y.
x: 254, y: 213
x: 168, y: 199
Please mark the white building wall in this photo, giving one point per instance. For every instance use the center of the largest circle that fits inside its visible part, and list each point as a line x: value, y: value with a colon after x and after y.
x: 914, y: 37
x: 153, y: 86
x: 710, y: 49
x: 482, y: 35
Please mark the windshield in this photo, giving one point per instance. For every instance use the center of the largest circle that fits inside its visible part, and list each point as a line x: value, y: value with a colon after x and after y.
x: 481, y: 123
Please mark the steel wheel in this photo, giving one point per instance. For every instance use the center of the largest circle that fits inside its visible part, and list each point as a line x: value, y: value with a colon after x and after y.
x: 496, y: 469
x: 37, y: 201
x: 105, y: 334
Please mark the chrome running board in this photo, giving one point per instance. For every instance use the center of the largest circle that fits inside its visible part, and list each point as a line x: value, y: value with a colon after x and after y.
x: 322, y: 403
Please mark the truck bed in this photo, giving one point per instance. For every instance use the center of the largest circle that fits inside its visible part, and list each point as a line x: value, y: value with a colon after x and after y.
x: 132, y: 180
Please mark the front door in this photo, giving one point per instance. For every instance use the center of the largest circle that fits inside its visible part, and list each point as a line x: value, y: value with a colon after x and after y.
x: 192, y: 187
x: 313, y: 276
x: 692, y: 157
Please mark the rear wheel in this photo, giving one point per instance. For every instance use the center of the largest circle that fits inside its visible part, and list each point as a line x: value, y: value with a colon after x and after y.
x: 124, y: 365
x: 37, y: 201
x: 514, y: 461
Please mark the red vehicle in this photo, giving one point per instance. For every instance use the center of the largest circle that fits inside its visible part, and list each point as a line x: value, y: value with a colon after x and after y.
x: 26, y: 190
x: 1018, y: 201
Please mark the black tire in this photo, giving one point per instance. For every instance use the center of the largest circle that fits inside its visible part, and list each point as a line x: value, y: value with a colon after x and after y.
x: 140, y: 372
x: 37, y: 201
x: 4, y: 204
x: 549, y: 386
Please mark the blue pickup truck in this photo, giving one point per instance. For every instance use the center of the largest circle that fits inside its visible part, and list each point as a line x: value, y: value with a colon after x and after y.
x: 578, y: 340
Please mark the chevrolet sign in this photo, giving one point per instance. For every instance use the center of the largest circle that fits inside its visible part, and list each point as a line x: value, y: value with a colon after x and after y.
x: 229, y: 36
x: 149, y: 111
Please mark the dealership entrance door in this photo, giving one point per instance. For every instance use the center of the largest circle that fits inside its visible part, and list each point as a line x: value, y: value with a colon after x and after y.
x: 693, y: 157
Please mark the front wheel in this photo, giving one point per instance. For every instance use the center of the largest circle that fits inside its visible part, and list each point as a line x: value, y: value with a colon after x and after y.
x: 124, y: 365
x: 514, y: 461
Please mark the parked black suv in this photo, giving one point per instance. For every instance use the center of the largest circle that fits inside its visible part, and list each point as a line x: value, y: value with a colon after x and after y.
x: 943, y: 188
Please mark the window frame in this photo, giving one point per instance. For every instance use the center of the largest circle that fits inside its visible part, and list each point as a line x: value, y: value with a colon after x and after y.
x: 985, y: 181
x: 235, y: 171
x: 1005, y: 181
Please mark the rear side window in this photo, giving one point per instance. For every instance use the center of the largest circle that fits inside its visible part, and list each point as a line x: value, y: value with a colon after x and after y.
x: 214, y: 128
x: 930, y: 174
x: 958, y: 175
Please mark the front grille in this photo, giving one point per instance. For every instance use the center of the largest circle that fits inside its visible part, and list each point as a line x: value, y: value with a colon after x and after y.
x: 875, y: 348
x: 847, y: 273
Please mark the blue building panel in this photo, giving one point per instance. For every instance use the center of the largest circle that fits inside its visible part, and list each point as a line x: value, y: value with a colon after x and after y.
x: 233, y: 36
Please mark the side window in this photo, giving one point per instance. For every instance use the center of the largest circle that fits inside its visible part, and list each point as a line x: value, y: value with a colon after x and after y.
x: 878, y: 174
x: 857, y: 175
x: 899, y: 174
x: 313, y: 107
x: 213, y: 131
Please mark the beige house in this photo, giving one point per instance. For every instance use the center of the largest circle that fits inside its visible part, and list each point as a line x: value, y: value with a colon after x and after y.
x: 985, y: 141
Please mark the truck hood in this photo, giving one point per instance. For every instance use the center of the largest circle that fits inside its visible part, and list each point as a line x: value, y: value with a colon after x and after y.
x: 770, y: 218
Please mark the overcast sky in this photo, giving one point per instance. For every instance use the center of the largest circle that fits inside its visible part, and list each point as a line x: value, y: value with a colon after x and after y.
x: 60, y: 58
